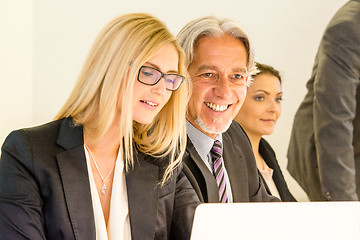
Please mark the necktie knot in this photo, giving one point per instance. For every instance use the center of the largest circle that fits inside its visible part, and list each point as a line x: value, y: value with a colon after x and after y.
x: 216, y: 151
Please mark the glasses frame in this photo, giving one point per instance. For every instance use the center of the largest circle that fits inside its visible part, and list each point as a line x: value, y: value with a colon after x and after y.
x: 163, y: 75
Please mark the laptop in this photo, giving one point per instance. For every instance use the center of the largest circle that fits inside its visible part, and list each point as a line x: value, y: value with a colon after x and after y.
x: 280, y: 221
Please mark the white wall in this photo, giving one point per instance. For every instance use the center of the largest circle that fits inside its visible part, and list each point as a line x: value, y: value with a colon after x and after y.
x: 46, y: 42
x: 16, y: 86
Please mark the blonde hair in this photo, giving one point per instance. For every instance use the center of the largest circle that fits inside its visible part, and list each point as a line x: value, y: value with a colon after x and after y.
x: 214, y: 27
x: 108, y: 76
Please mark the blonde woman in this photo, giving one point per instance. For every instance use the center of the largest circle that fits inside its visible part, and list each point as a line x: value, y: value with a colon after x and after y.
x: 109, y: 166
x: 258, y: 116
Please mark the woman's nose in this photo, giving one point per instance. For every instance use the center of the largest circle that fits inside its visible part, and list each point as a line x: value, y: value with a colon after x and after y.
x: 160, y: 87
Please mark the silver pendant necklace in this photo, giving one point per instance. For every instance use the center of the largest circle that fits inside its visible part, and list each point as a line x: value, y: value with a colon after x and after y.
x: 103, y: 188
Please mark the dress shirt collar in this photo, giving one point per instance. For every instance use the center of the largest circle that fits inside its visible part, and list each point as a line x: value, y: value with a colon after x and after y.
x: 202, y: 142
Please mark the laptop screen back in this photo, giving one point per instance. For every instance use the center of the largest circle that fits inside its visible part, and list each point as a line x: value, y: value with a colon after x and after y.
x: 305, y: 221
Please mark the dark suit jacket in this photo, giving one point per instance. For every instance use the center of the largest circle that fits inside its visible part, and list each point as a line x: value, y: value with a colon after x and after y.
x: 324, y: 148
x: 269, y: 156
x: 45, y: 191
x: 239, y: 161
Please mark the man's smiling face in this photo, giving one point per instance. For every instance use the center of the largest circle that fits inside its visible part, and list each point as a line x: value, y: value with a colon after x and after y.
x: 216, y: 99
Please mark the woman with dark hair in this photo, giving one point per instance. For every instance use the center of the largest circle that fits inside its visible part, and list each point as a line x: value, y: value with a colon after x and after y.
x: 258, y: 116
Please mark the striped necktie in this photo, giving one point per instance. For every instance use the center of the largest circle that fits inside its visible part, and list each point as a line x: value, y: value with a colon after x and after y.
x: 218, y: 170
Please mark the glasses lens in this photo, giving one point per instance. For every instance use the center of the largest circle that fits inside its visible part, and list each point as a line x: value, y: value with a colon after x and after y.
x: 173, y: 81
x: 149, y: 75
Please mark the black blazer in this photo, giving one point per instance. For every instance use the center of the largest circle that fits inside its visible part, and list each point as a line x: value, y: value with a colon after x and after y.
x: 269, y: 157
x: 45, y: 190
x: 239, y: 161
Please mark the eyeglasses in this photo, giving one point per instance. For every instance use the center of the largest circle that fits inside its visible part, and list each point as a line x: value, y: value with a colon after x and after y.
x: 151, y: 76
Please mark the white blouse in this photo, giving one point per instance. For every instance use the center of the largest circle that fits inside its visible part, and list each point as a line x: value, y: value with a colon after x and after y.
x: 119, y: 223
x: 267, y: 174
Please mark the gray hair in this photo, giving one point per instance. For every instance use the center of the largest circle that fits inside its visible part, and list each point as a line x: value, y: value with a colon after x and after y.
x: 214, y: 27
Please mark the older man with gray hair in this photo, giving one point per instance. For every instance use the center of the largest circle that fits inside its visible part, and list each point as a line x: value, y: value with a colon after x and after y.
x: 221, y: 166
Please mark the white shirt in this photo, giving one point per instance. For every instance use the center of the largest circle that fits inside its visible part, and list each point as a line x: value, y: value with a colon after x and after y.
x: 119, y: 223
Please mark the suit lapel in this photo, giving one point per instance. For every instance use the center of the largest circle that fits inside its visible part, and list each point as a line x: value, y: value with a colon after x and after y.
x: 270, y: 159
x: 142, y: 198
x: 75, y: 179
x: 210, y: 182
x: 236, y: 169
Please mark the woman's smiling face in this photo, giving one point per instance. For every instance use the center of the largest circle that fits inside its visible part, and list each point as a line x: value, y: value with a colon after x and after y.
x: 149, y: 100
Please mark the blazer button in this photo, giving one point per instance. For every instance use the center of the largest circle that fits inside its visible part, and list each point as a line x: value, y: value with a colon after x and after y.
x: 328, y: 196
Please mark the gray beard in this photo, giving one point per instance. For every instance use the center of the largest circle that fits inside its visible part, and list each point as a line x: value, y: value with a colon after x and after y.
x: 212, y: 130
